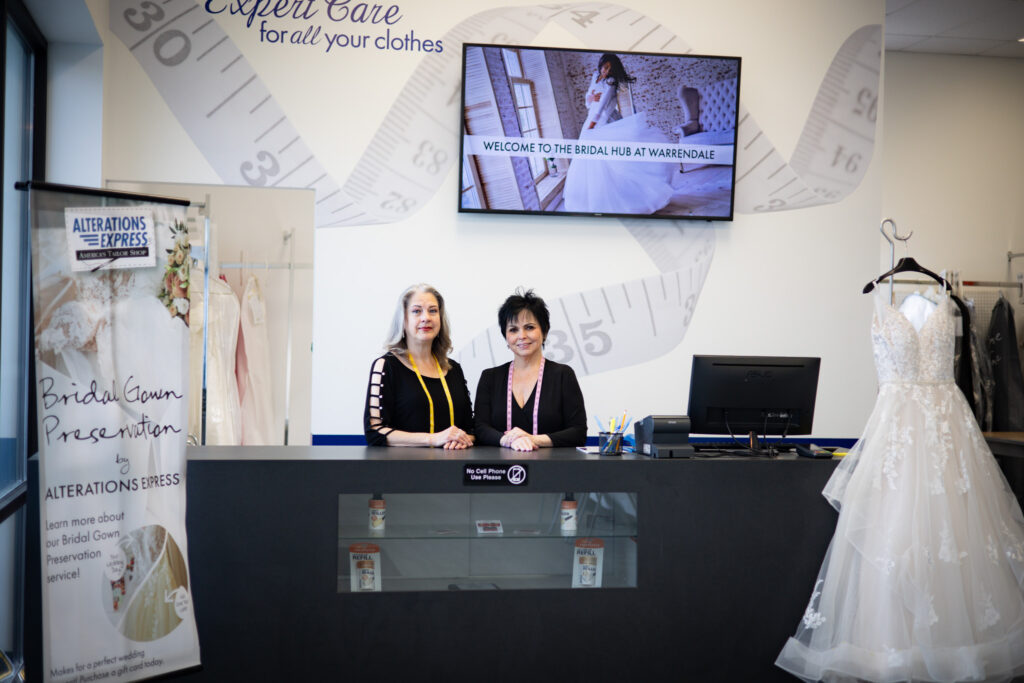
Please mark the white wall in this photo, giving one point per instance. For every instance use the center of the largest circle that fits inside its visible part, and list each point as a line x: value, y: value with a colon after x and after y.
x: 953, y: 157
x: 74, y: 112
x: 785, y: 283
x: 74, y: 92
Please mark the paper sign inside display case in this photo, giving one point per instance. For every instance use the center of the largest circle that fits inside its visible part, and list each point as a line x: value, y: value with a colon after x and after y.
x: 489, y: 527
x: 503, y: 474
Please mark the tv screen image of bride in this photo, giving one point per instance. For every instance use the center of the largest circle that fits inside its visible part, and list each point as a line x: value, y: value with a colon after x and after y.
x: 592, y: 132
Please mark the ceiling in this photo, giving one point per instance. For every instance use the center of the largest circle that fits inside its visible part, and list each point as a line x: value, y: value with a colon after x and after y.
x: 986, y: 28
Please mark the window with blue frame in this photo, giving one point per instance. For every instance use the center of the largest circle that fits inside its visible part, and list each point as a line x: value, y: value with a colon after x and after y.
x: 23, y: 49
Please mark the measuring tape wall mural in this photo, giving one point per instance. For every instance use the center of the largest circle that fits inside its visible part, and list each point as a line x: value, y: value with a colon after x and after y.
x: 221, y: 102
x: 244, y: 134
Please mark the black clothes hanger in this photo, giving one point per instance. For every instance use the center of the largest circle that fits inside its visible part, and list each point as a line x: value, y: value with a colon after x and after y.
x: 908, y: 265
x: 964, y: 372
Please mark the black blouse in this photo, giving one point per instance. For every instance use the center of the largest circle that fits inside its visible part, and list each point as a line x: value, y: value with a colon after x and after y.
x: 395, y: 400
x: 562, y: 415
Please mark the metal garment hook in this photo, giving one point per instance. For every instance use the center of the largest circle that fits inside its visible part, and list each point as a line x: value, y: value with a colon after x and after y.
x: 892, y: 250
x: 895, y: 232
x: 892, y: 245
x: 904, y: 239
x: 881, y: 229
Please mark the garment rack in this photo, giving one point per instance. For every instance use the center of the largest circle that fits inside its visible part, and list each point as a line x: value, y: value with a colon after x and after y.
x: 291, y: 266
x: 237, y: 265
x: 1019, y: 286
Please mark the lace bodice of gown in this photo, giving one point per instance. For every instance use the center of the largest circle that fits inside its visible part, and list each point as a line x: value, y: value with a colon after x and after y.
x: 907, y: 355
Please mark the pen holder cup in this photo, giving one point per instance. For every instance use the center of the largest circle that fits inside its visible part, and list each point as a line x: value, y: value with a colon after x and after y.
x: 609, y: 443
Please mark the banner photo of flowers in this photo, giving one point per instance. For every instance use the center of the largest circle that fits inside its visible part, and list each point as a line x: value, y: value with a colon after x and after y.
x: 110, y: 293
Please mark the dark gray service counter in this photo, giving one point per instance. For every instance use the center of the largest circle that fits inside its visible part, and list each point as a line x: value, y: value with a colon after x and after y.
x: 726, y: 555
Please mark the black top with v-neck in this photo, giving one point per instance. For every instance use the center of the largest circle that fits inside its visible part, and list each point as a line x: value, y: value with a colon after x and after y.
x: 562, y: 415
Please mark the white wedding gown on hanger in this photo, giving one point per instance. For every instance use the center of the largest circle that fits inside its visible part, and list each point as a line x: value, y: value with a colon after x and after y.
x: 924, y: 577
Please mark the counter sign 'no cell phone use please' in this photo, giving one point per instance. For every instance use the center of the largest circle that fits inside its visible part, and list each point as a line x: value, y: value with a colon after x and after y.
x: 494, y: 475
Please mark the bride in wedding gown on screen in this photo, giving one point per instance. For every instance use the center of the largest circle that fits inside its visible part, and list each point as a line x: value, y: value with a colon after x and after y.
x: 603, y: 186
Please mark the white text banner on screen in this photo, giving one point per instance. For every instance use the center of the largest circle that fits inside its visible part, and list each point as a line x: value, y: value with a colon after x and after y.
x: 486, y: 145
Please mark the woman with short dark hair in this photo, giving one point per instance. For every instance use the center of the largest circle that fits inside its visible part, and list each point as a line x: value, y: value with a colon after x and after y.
x: 529, y: 402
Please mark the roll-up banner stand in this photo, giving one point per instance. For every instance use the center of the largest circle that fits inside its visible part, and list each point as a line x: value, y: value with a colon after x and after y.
x: 110, y: 274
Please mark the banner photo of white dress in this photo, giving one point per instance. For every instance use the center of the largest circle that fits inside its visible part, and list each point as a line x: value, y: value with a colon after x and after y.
x: 111, y: 367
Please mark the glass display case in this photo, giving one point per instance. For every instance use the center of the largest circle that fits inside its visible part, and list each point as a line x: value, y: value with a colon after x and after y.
x: 486, y: 541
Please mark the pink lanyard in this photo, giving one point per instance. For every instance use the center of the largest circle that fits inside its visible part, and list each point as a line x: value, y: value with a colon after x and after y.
x: 536, y: 396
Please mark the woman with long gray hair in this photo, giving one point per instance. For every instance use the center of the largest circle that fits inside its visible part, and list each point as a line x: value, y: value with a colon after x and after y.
x: 417, y: 395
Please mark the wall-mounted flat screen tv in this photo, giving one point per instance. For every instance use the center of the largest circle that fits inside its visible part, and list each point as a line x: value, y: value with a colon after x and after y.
x: 589, y: 132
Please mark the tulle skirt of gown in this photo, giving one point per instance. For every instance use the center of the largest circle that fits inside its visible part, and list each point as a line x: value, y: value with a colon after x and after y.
x: 924, y: 577
x: 602, y: 186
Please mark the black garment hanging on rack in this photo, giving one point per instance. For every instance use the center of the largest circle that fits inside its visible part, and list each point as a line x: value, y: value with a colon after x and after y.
x: 1008, y: 396
x: 964, y: 375
x: 966, y: 367
x: 983, y: 381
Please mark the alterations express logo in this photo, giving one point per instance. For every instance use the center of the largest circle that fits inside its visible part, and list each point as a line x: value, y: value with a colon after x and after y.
x: 113, y: 232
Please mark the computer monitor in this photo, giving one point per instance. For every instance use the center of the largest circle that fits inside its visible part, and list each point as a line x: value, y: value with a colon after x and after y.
x: 767, y: 395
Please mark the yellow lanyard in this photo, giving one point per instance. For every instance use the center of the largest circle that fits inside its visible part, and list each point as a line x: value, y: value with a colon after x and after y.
x: 448, y: 394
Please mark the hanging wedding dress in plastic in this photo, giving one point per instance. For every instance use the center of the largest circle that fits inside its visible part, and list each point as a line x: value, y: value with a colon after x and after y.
x: 195, y: 348
x: 924, y: 577
x: 252, y: 368
x: 223, y: 414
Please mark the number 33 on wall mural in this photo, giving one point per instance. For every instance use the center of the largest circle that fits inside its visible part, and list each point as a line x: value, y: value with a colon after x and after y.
x: 235, y: 122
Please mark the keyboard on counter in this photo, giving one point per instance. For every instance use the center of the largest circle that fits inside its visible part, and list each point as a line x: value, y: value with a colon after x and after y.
x: 782, y: 446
